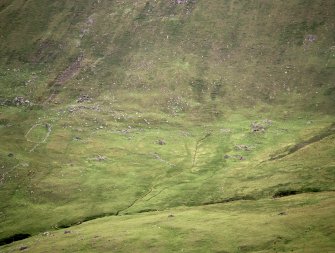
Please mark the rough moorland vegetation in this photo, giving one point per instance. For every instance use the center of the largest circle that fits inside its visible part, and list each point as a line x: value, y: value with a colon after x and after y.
x: 166, y: 126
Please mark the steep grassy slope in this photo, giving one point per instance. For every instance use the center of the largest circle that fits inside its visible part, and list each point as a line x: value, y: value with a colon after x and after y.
x: 138, y: 106
x: 217, y: 52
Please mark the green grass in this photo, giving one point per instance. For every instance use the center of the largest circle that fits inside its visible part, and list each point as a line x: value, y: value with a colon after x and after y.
x: 290, y: 224
x: 191, y: 76
x: 65, y: 175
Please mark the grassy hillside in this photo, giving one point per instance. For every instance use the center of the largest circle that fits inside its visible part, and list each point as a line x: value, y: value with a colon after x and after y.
x: 214, y: 111
x: 292, y: 224
x: 216, y: 52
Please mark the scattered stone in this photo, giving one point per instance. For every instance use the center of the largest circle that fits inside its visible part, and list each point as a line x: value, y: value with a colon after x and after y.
x: 185, y: 133
x: 4, y: 102
x: 156, y: 156
x: 84, y: 98
x: 260, y: 126
x: 243, y: 147
x: 101, y: 158
x: 161, y: 142
x: 77, y: 138
x: 67, y: 232
x: 10, y: 155
x: 23, y: 247
x: 90, y: 21
x: 18, y: 101
x: 46, y: 233
x: 48, y: 127
x: 225, y: 130
x: 72, y: 109
x: 124, y: 131
x: 310, y: 38
x: 182, y: 1
x: 267, y: 122
x: 256, y: 127
x: 238, y: 157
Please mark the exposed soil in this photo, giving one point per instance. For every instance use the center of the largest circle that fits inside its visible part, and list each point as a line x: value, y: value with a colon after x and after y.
x: 71, y: 71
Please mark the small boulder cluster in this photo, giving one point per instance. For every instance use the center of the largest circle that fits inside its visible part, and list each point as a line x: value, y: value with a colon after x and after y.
x: 84, y: 98
x: 255, y: 127
x: 21, y: 101
x: 260, y: 126
x: 243, y: 147
x: 161, y: 142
